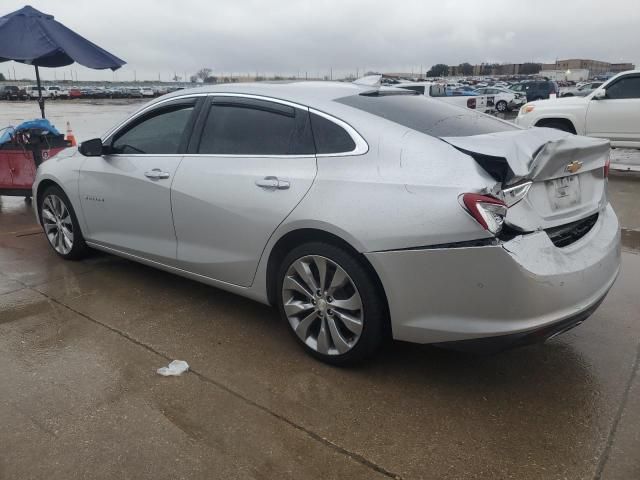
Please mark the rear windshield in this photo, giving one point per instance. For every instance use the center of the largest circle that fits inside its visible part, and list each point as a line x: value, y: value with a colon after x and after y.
x: 433, y: 117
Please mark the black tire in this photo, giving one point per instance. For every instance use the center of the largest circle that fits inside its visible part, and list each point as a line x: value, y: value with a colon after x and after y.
x: 79, y: 247
x: 501, y: 106
x: 558, y: 125
x: 374, y: 309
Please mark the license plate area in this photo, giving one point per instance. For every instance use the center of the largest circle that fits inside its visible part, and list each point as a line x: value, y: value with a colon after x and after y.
x: 564, y: 192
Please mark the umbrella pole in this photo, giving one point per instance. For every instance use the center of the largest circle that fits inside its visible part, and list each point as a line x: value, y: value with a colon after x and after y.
x: 40, y: 99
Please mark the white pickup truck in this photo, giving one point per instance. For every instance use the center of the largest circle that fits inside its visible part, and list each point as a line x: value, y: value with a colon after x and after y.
x: 611, y: 111
x: 481, y: 103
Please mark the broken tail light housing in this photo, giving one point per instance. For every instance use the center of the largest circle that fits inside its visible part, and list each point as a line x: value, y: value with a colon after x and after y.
x: 607, y: 167
x: 471, y: 103
x: 488, y: 211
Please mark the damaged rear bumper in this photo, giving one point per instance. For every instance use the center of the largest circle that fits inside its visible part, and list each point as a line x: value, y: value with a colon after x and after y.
x: 514, y: 288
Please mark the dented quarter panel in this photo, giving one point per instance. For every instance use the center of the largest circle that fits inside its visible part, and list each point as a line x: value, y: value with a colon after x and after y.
x: 410, y: 184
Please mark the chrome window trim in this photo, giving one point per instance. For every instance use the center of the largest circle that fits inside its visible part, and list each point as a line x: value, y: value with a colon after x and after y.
x: 361, y: 147
x: 208, y: 155
x: 259, y: 97
x: 220, y: 155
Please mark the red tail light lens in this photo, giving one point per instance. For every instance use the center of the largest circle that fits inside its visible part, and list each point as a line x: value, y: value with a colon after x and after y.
x: 489, y: 212
x: 607, y: 166
x: 471, y: 103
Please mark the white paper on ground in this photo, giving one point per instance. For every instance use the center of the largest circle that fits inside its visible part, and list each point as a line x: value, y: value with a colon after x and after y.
x: 175, y: 368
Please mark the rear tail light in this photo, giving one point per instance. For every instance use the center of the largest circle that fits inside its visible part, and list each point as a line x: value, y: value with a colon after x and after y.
x: 471, y: 103
x: 489, y: 212
x: 607, y: 166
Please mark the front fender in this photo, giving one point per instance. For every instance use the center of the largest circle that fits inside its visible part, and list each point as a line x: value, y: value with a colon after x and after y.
x: 64, y: 170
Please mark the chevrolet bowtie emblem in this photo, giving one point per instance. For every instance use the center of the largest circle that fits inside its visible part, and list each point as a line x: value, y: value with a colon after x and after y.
x: 573, y: 167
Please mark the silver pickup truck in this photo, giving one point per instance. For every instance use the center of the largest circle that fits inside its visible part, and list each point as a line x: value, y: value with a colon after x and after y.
x: 481, y: 103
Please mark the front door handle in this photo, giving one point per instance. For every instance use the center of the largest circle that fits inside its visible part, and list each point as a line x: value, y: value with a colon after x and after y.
x: 156, y: 174
x: 273, y: 183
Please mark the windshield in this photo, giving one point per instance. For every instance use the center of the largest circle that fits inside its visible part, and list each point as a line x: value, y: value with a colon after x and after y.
x: 433, y: 117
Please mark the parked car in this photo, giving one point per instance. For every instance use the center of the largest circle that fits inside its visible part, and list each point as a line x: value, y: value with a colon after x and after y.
x: 581, y: 91
x: 505, y: 99
x: 481, y: 103
x: 354, y: 210
x: 13, y: 92
x: 32, y: 92
x: 464, y: 90
x: 75, y: 93
x: 536, y: 89
x: 134, y: 92
x: 147, y: 92
x: 56, y: 91
x: 611, y: 111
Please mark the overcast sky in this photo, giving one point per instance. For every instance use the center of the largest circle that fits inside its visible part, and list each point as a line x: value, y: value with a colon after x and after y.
x: 160, y: 37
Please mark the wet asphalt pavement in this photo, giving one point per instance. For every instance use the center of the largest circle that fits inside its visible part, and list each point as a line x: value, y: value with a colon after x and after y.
x: 79, y: 396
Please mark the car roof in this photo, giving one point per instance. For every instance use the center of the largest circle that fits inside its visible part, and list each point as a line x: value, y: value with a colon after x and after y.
x: 311, y: 93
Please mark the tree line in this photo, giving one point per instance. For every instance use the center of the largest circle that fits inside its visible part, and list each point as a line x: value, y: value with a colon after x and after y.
x: 466, y: 69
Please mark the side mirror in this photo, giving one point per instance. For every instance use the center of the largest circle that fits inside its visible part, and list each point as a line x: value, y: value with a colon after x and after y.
x: 600, y: 94
x: 91, y: 148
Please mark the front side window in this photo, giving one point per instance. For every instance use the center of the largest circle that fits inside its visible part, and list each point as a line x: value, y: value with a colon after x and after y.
x: 157, y: 133
x: 238, y: 126
x: 626, y: 87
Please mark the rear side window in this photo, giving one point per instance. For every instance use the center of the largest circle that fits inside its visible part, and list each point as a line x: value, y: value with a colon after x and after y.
x: 330, y: 137
x: 238, y: 126
x: 430, y: 116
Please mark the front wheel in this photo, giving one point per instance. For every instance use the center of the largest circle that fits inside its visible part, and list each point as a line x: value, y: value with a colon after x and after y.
x: 60, y: 224
x: 502, y: 106
x: 332, y: 304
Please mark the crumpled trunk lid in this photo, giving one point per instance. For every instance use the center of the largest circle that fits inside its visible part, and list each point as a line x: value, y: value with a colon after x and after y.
x: 566, y: 171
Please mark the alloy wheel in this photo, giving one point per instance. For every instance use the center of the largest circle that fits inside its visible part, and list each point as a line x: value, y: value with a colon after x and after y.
x: 57, y: 224
x: 322, y: 305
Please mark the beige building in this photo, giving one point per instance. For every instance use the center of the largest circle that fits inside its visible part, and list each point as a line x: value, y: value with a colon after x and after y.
x: 621, y: 67
x: 595, y: 67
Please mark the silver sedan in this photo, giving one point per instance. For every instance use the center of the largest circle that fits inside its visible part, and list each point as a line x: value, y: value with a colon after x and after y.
x: 359, y: 212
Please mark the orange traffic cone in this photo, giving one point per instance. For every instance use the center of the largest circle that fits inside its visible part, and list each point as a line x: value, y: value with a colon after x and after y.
x: 71, y: 138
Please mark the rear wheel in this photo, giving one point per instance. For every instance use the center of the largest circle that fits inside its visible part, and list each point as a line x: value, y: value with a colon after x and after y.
x: 60, y: 224
x: 332, y: 305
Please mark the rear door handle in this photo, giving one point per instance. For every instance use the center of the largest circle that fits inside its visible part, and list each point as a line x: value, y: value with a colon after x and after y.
x: 156, y: 174
x: 273, y: 183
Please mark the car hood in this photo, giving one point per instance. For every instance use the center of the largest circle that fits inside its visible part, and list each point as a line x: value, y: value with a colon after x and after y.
x: 561, y: 101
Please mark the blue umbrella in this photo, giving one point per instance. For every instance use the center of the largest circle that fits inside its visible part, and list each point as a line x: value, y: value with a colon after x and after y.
x: 35, y: 38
